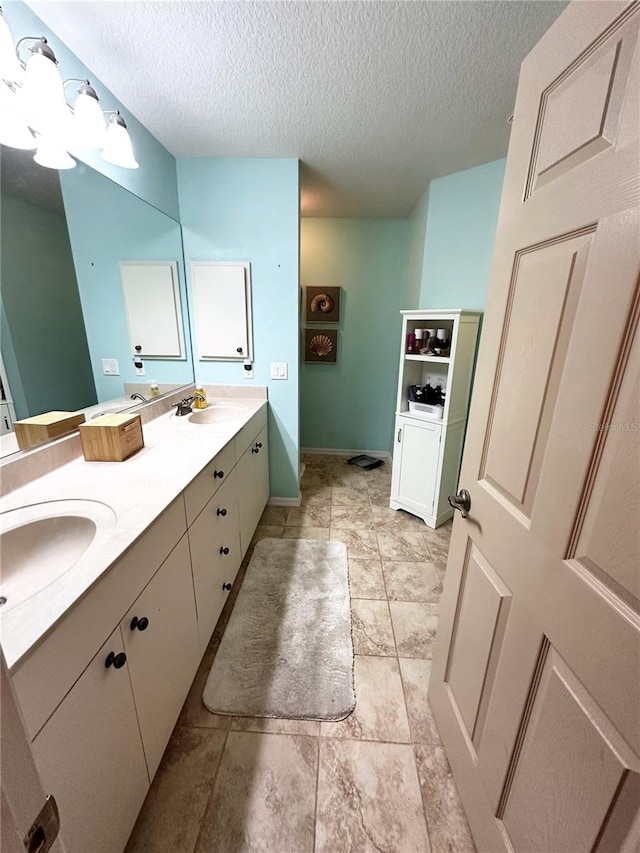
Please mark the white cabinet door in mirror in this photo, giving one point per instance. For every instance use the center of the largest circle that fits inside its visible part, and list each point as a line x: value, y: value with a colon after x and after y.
x: 151, y: 294
x: 222, y: 310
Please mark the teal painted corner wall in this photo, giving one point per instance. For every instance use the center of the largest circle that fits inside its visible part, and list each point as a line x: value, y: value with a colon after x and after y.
x: 350, y: 405
x: 458, y: 247
x: 248, y: 210
x: 155, y: 181
x: 125, y: 228
x: 417, y: 234
x: 41, y: 312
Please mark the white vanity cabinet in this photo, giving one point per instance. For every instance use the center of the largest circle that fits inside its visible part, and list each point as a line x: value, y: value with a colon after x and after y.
x: 427, y: 449
x: 253, y: 486
x: 214, y: 539
x: 161, y: 644
x: 89, y: 755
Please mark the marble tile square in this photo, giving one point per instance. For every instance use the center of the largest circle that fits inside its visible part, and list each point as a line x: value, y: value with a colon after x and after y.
x: 193, y: 711
x: 387, y: 520
x: 403, y: 546
x: 348, y: 496
x: 311, y: 515
x: 271, y: 725
x: 274, y: 515
x: 174, y: 806
x: 305, y: 533
x: 366, y: 579
x: 371, y: 628
x: 412, y: 582
x: 317, y: 476
x: 266, y: 531
x: 414, y: 628
x: 380, y: 498
x: 348, y: 476
x: 357, y: 517
x: 380, y: 712
x: 316, y: 495
x: 448, y: 827
x: 264, y: 795
x: 369, y: 799
x: 361, y: 544
x: 415, y: 674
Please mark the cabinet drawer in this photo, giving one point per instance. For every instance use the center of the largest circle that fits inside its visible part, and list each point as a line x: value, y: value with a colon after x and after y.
x: 160, y: 635
x: 208, y: 481
x: 89, y: 755
x: 46, y: 675
x: 250, y: 430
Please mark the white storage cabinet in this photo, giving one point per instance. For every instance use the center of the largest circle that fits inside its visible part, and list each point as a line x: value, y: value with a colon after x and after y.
x: 427, y: 450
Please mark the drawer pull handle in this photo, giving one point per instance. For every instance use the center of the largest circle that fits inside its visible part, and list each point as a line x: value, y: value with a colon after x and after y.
x: 224, y: 550
x: 400, y: 434
x: 217, y: 474
x: 141, y: 624
x: 222, y: 512
x: 226, y: 586
x: 116, y: 661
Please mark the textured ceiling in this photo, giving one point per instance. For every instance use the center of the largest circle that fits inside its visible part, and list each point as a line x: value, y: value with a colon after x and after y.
x: 375, y: 98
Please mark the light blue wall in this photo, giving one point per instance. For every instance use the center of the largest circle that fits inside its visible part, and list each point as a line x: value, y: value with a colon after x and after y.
x: 44, y: 346
x: 417, y: 233
x: 458, y: 248
x: 155, y: 180
x: 248, y: 210
x: 350, y: 405
x: 107, y: 225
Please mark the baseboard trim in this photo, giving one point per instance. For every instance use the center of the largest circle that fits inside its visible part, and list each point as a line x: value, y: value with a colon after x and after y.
x: 331, y: 451
x: 276, y: 501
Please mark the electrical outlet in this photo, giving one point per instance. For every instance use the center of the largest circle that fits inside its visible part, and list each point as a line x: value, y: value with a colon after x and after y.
x: 140, y: 371
x: 248, y: 369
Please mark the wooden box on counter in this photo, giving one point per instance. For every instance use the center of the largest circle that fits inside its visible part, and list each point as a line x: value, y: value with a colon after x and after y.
x: 41, y: 428
x: 111, y: 438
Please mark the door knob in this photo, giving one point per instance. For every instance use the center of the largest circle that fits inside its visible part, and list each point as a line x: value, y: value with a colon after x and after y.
x: 224, y: 550
x: 461, y: 501
x: 226, y: 586
x: 116, y: 661
x: 222, y: 512
x: 217, y: 474
x: 141, y: 624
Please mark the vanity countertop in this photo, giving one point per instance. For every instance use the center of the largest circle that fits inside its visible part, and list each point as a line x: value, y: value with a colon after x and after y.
x: 138, y: 490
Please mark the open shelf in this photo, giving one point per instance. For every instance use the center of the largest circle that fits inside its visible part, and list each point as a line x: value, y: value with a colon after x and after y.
x: 437, y: 359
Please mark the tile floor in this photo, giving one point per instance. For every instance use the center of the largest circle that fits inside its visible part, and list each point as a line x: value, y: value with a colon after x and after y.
x: 377, y: 781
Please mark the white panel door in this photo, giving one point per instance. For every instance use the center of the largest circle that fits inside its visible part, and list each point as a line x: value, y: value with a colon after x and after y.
x: 151, y: 296
x: 160, y: 636
x: 535, y: 683
x: 222, y: 310
x: 89, y: 755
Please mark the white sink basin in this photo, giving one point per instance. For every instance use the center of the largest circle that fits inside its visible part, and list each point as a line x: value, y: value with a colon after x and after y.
x: 217, y: 413
x: 40, y: 542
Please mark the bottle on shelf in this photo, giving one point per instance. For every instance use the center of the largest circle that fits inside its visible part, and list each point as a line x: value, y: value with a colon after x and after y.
x: 411, y: 340
x: 419, y: 339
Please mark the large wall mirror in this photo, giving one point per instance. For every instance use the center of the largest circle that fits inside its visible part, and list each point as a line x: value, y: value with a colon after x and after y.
x: 86, y: 268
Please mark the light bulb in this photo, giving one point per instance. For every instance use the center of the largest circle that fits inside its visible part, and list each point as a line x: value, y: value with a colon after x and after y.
x: 51, y: 154
x: 13, y: 129
x: 42, y: 95
x: 10, y: 68
x: 88, y: 119
x: 117, y: 144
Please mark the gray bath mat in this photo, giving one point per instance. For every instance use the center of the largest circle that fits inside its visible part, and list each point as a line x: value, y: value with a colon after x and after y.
x: 287, y: 650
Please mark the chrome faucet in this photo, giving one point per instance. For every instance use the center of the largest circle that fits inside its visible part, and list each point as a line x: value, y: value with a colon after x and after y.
x: 183, y: 407
x: 138, y: 397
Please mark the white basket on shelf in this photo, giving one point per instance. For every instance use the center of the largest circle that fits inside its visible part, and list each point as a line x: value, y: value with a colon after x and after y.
x: 427, y: 410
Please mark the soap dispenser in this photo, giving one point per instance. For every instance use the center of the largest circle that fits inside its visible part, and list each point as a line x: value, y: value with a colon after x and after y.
x: 200, y: 393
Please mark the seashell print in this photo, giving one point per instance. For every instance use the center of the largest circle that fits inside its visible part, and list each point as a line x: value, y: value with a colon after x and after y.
x: 322, y: 301
x: 321, y: 345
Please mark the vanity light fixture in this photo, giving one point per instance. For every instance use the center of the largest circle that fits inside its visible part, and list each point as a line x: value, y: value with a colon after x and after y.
x: 32, y: 96
x: 117, y: 144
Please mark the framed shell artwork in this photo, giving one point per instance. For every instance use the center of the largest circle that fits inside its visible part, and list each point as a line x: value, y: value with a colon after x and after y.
x: 321, y: 345
x: 322, y: 304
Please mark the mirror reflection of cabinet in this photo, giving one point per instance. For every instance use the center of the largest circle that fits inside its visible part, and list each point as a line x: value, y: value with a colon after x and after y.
x: 222, y: 310
x: 151, y: 294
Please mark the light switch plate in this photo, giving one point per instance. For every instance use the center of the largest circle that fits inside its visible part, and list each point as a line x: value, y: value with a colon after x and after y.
x: 110, y: 367
x: 279, y: 370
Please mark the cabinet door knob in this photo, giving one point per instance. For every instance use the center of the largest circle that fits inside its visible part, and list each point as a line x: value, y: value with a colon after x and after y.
x: 222, y: 512
x: 258, y: 444
x: 224, y: 550
x: 255, y: 450
x: 116, y: 661
x: 217, y: 474
x: 239, y: 349
x: 226, y: 586
x: 141, y: 624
